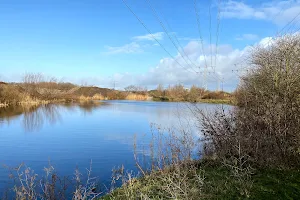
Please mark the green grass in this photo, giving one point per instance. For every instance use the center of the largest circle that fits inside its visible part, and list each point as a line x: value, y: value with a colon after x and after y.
x: 276, y: 184
x: 218, y: 184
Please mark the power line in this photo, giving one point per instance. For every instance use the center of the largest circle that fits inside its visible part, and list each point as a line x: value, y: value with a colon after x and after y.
x: 281, y: 30
x: 210, y: 37
x: 289, y: 23
x: 217, y: 32
x: 166, y: 31
x: 177, y: 40
x: 199, y: 30
x: 201, y: 40
x: 148, y: 30
x: 292, y: 26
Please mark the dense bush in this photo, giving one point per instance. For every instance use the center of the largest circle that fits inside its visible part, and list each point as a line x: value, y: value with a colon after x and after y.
x: 193, y: 94
x: 9, y: 93
x: 265, y: 127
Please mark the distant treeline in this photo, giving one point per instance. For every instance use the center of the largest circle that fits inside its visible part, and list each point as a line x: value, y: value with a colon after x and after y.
x: 194, y: 94
x: 37, y: 89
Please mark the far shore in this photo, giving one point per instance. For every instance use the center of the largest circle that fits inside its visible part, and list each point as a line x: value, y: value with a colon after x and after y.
x: 43, y: 92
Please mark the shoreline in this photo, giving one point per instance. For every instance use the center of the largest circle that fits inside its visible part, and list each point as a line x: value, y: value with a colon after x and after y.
x: 84, y: 100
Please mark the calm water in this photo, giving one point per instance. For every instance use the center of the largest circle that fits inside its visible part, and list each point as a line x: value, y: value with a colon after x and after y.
x: 72, y: 135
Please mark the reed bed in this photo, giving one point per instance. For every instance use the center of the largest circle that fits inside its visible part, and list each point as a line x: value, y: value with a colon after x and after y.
x: 137, y: 97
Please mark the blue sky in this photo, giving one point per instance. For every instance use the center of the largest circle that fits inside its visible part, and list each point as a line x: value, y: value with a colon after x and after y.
x: 98, y: 41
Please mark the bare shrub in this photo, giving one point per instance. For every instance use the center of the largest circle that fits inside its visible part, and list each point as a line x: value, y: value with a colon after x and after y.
x: 29, y: 186
x: 195, y: 93
x: 181, y: 181
x: 216, y: 95
x: 169, y: 173
x: 136, y: 89
x: 269, y: 102
x: 264, y: 129
x: 9, y: 94
x: 177, y: 93
x: 87, y: 190
x: 115, y: 95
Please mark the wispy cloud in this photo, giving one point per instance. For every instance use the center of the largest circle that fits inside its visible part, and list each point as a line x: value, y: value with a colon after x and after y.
x: 137, y: 46
x: 125, y: 49
x: 149, y: 37
x: 278, y: 12
x: 188, y: 39
x: 247, y: 37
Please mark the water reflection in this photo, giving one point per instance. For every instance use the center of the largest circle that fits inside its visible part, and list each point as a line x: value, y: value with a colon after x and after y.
x: 34, y: 117
x: 34, y: 120
x: 73, y: 134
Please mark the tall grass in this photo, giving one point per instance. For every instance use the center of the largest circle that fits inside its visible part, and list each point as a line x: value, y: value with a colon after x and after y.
x: 138, y: 97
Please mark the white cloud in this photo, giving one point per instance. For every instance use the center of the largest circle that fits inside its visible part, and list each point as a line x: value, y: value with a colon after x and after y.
x: 265, y: 42
x: 149, y: 37
x: 235, y: 9
x: 169, y: 72
x: 137, y: 46
x: 247, y: 37
x: 127, y: 49
x: 278, y: 12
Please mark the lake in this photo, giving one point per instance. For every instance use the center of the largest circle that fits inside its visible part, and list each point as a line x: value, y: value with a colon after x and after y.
x: 70, y: 136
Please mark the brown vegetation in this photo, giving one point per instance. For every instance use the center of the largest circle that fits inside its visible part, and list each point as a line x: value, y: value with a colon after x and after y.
x: 193, y: 94
x: 30, y: 186
x: 256, y: 144
x: 264, y: 128
x: 36, y: 89
x: 247, y: 149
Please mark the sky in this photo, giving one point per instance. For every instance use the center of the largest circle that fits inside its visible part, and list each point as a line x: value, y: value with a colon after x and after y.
x: 101, y: 42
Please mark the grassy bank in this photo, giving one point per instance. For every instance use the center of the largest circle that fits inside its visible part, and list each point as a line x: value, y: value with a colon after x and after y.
x: 211, y: 180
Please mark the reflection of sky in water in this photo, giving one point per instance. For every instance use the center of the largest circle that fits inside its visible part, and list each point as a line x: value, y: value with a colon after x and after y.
x: 71, y: 135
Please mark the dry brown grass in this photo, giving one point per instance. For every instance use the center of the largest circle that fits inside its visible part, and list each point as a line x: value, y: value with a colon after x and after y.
x: 137, y: 97
x: 31, y: 186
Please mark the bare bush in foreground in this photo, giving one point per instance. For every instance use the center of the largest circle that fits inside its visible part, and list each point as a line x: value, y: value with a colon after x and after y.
x: 29, y: 186
x: 264, y: 128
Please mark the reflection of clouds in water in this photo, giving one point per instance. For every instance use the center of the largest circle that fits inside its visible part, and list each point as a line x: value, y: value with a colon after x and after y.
x: 173, y: 115
x: 164, y: 113
x: 178, y: 118
x: 179, y: 124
